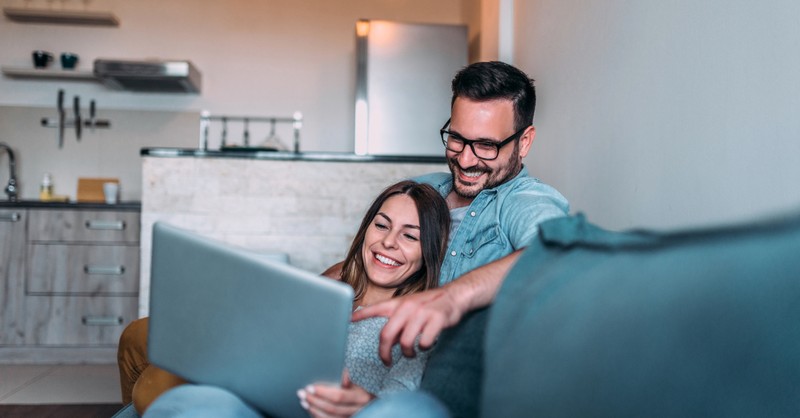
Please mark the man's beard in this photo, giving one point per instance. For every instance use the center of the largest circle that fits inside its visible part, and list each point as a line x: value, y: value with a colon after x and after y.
x: 494, y: 178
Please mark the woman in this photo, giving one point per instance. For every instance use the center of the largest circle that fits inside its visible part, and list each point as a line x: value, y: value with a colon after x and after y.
x: 397, y: 250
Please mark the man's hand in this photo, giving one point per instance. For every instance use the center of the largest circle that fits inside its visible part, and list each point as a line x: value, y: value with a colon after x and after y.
x: 428, y: 313
x: 324, y: 401
x: 425, y: 314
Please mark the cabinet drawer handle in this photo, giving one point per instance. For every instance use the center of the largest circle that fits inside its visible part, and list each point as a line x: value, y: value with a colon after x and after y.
x: 10, y: 217
x: 110, y: 270
x: 108, y: 225
x: 101, y: 320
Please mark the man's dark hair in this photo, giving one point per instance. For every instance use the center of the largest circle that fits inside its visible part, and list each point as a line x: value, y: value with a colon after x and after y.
x: 495, y: 80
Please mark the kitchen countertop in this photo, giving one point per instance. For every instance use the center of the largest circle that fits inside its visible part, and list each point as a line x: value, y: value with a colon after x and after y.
x: 256, y: 154
x: 37, y: 204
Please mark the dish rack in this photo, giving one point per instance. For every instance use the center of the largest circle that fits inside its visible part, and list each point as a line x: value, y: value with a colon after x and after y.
x: 271, y: 143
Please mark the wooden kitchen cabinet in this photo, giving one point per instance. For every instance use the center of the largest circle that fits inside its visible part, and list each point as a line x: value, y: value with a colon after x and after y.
x: 78, y: 320
x: 70, y: 281
x: 12, y: 275
x: 75, y: 226
x: 88, y: 270
x: 83, y: 276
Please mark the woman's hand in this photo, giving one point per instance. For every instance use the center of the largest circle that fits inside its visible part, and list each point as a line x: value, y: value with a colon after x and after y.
x: 325, y: 401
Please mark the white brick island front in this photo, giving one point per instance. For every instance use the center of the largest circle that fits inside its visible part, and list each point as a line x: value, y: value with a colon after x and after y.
x: 306, y: 205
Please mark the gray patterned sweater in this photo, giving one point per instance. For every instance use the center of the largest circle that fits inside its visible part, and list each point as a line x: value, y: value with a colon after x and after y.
x: 367, y: 369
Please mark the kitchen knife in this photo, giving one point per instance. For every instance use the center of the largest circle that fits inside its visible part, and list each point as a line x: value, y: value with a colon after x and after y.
x: 61, y: 119
x: 92, y: 111
x: 76, y: 106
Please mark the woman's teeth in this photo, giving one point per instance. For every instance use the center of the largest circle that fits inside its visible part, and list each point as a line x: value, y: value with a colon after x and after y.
x: 386, y: 260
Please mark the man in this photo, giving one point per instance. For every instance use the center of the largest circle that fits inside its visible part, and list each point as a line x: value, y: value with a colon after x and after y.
x: 495, y: 209
x: 495, y: 206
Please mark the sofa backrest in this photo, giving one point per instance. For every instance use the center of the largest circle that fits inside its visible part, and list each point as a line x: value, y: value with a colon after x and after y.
x: 695, y: 323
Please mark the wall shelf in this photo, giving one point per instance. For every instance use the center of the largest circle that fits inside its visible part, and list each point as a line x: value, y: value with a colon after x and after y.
x: 27, y: 72
x: 64, y: 17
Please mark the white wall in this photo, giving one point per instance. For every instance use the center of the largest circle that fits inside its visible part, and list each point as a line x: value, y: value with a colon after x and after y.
x: 104, y: 153
x: 257, y: 57
x: 666, y: 113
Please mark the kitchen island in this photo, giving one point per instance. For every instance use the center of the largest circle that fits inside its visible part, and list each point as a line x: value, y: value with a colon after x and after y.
x: 306, y: 205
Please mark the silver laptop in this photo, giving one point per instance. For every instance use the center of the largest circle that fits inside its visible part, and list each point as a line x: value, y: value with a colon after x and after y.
x: 231, y: 318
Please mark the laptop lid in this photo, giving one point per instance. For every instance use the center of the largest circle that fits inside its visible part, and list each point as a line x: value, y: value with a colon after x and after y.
x: 227, y: 317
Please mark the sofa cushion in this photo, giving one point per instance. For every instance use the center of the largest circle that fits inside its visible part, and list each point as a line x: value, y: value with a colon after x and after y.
x: 454, y: 370
x: 695, y: 323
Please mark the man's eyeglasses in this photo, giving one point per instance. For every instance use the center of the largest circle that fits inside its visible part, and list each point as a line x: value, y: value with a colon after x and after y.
x: 483, y: 149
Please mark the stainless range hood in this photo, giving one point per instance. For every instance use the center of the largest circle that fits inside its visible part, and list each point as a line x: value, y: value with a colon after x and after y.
x: 155, y: 76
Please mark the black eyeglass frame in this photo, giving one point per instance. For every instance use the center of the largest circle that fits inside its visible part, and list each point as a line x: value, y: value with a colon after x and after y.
x: 470, y: 142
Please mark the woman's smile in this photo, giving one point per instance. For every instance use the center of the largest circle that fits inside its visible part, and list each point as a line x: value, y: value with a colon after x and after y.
x: 387, y: 261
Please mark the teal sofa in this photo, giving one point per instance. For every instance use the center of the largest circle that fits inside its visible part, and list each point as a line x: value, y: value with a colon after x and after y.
x: 592, y: 323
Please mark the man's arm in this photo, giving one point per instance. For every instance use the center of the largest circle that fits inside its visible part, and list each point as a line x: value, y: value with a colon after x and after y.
x: 426, y: 314
x: 334, y: 271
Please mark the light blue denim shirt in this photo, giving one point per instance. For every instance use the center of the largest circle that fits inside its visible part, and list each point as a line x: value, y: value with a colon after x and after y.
x: 498, y: 222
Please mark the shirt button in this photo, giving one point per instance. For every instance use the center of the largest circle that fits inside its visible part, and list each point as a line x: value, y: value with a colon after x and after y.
x: 472, y: 213
x: 470, y: 251
x: 453, y: 253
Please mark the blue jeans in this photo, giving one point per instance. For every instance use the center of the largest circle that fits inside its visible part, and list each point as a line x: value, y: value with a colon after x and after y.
x: 417, y: 404
x: 199, y: 401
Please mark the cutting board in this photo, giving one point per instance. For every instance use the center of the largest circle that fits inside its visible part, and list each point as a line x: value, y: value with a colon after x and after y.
x: 91, y: 189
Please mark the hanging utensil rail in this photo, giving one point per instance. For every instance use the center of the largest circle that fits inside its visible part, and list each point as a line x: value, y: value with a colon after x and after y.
x: 206, y: 118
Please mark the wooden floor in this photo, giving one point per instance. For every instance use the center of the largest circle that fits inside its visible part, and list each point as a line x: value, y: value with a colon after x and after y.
x: 43, y: 384
x: 59, y: 411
